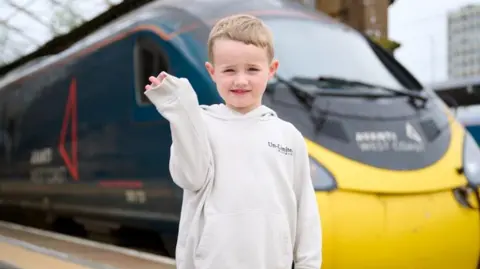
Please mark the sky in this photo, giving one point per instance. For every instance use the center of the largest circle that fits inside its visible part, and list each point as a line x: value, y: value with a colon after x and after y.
x: 420, y: 26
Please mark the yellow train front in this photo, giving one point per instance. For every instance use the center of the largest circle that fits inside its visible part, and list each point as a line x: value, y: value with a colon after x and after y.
x: 421, y: 217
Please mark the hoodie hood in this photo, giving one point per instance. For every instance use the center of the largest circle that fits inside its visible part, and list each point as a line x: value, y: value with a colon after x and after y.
x: 221, y: 111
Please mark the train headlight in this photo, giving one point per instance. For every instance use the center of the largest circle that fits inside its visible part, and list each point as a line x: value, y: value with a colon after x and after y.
x: 471, y: 160
x: 322, y: 179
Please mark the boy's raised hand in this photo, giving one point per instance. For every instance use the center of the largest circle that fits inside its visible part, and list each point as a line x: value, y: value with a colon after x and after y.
x: 155, y: 81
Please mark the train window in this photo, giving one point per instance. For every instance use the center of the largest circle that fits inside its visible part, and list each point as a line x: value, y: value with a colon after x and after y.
x: 149, y: 60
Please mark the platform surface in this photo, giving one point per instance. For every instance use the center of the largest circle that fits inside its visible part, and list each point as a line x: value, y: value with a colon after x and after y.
x: 27, y: 248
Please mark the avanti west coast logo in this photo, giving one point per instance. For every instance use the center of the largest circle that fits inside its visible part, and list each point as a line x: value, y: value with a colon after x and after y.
x: 282, y: 149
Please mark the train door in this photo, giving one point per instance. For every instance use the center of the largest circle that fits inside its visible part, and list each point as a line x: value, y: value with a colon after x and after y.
x: 150, y: 57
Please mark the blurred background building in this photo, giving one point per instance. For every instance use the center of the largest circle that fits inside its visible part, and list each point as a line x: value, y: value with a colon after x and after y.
x: 464, y: 42
x: 367, y: 16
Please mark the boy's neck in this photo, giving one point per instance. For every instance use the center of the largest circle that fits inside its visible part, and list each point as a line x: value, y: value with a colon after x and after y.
x: 243, y: 110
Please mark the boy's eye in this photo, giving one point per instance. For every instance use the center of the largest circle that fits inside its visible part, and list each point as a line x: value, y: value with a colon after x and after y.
x: 253, y: 69
x: 229, y: 70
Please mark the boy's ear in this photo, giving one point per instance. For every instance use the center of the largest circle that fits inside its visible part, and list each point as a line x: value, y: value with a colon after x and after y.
x: 210, y: 70
x: 273, y: 68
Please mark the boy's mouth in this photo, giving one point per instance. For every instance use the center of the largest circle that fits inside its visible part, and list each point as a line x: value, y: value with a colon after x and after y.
x: 239, y: 91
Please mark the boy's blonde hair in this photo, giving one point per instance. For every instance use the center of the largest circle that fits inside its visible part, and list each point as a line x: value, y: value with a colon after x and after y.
x: 244, y: 28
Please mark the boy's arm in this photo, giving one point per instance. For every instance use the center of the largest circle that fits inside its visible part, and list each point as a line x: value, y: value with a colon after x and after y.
x: 191, y: 159
x: 308, y: 243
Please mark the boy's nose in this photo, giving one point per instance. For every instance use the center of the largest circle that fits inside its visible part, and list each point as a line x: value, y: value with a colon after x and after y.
x: 241, y: 80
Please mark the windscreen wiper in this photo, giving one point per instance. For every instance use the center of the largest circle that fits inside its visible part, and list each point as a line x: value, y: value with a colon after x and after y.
x: 345, y: 82
x: 307, y: 97
x: 318, y: 91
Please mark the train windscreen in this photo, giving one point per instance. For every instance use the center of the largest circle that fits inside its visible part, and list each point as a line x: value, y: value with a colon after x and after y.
x: 309, y: 48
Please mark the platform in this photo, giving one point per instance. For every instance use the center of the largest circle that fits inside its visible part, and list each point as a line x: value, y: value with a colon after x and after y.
x: 28, y: 248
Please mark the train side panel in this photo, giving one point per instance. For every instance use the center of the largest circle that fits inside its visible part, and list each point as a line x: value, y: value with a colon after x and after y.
x: 89, y: 143
x: 67, y: 135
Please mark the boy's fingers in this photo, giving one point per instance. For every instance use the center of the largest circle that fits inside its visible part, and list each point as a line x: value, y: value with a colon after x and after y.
x: 154, y: 80
x: 162, y: 75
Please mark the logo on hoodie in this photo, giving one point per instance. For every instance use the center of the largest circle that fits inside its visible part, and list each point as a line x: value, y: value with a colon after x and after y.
x: 282, y: 149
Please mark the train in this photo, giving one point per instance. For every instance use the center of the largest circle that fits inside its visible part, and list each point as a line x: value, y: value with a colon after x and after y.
x: 395, y: 173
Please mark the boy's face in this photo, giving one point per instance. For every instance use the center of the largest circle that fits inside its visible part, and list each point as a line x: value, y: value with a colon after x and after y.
x: 241, y: 73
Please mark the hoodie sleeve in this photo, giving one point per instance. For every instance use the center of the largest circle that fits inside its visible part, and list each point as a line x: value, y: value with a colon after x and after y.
x: 191, y: 161
x: 308, y: 242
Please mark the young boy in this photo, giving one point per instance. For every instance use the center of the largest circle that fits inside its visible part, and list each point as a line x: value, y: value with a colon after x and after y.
x: 248, y: 202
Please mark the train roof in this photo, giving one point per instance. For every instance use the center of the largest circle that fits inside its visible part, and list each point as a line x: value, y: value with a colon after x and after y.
x: 203, y: 11
x: 459, y: 92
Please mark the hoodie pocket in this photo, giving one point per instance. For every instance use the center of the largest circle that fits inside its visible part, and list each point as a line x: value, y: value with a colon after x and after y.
x: 252, y: 239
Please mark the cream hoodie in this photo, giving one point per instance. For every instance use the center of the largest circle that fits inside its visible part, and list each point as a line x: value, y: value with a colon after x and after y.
x: 248, y: 201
